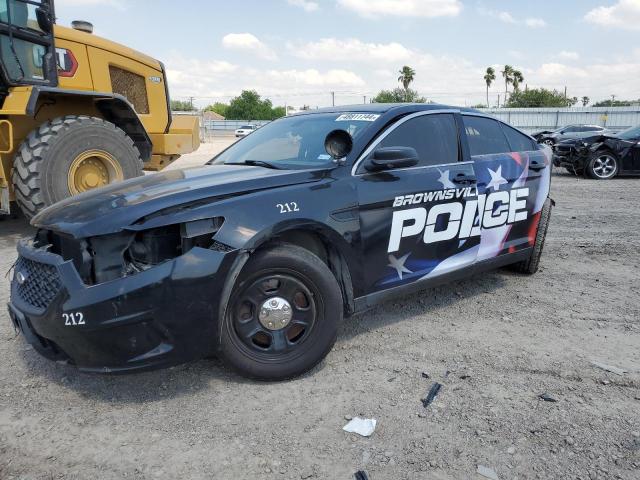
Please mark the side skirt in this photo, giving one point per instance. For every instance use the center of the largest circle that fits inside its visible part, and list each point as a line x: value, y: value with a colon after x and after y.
x: 366, y: 302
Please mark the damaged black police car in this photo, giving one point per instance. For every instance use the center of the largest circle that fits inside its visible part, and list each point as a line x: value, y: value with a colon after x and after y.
x: 259, y: 255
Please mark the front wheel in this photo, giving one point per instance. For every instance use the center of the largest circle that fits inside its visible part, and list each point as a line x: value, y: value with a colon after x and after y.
x: 283, y: 315
x: 602, y: 166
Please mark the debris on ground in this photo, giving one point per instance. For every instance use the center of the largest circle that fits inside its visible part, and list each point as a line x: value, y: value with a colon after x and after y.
x: 362, y: 426
x: 433, y: 391
x: 361, y: 475
x: 425, y: 375
x: 487, y: 472
x: 608, y: 368
x: 547, y: 398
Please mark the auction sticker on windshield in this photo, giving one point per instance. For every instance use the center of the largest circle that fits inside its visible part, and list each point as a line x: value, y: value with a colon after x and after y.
x: 362, y: 117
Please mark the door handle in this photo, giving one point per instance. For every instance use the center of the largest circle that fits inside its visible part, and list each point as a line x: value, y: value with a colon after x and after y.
x: 537, y: 165
x: 463, y: 179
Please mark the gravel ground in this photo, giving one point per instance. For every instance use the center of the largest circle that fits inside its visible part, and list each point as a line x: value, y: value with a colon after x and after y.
x: 495, y: 342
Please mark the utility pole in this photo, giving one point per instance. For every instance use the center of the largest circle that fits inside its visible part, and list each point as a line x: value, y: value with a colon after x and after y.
x: 565, y: 93
x: 191, y: 103
x: 498, y: 101
x: 613, y: 99
x: 333, y: 99
x: 364, y: 99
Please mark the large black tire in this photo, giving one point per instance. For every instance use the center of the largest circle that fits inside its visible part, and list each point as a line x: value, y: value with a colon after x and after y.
x: 273, y: 273
x: 43, y: 161
x: 530, y: 266
x: 602, y: 165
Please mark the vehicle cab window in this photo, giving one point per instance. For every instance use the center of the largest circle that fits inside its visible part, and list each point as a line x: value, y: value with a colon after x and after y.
x: 518, y: 141
x: 485, y: 136
x: 434, y: 136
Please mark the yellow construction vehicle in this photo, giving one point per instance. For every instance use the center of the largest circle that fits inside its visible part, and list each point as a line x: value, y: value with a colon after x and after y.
x: 77, y: 111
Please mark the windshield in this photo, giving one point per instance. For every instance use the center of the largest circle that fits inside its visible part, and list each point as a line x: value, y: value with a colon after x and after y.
x: 295, y: 142
x: 246, y: 127
x: 632, y: 133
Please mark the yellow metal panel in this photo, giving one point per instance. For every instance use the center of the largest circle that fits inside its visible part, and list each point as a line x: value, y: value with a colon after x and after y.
x: 183, y: 137
x: 157, y: 118
x: 89, y: 39
x: 81, y: 80
x: 16, y: 101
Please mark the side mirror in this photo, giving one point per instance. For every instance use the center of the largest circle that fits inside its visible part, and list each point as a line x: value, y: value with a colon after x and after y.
x: 388, y: 158
x: 338, y: 144
x: 44, y: 20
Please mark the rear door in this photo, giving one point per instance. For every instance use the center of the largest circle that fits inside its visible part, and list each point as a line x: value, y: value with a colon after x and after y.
x: 27, y: 50
x: 508, y: 168
x: 411, y: 218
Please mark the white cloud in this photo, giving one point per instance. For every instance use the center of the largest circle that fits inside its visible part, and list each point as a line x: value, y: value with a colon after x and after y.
x: 403, y: 8
x: 623, y: 14
x: 306, y: 5
x: 567, y: 55
x: 351, y: 50
x: 506, y: 17
x: 533, y: 22
x: 248, y: 42
x: 312, y: 77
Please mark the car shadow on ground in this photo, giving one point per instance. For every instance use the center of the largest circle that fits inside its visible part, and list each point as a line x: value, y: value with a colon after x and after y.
x: 211, y: 374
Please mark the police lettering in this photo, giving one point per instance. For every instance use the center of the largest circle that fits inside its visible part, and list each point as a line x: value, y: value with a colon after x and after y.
x: 493, y: 210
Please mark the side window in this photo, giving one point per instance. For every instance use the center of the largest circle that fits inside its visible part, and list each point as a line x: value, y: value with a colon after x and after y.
x: 435, y: 138
x: 518, y: 141
x: 593, y: 129
x: 485, y: 136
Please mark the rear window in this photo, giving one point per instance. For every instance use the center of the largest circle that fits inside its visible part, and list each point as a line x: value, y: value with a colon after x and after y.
x: 518, y: 141
x: 485, y: 136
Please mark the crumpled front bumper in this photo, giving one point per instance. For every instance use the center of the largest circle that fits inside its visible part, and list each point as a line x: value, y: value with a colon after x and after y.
x: 160, y: 317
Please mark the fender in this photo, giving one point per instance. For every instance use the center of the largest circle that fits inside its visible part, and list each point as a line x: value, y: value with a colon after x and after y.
x: 114, y: 107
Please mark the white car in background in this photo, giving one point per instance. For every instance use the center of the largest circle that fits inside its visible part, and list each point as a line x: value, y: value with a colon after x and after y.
x: 245, y: 130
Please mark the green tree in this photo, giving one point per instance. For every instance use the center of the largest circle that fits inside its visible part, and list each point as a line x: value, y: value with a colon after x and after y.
x: 507, y: 74
x: 617, y: 103
x: 489, y: 78
x: 517, y: 79
x: 538, y: 97
x: 218, y: 107
x: 398, y: 95
x: 585, y: 101
x: 407, y: 76
x: 249, y: 106
x: 181, y: 106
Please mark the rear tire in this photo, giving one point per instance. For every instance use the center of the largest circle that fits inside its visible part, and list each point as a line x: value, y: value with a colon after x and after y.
x: 530, y: 266
x: 311, y: 312
x: 44, y: 165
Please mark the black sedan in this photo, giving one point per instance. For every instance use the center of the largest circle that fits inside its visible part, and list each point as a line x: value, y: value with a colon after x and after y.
x: 258, y: 256
x: 602, y: 156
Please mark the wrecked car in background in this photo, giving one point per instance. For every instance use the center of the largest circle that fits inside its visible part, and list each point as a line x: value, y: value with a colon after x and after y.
x: 553, y: 137
x: 601, y: 157
x: 259, y: 255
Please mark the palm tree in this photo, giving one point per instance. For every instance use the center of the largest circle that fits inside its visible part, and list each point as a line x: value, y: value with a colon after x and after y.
x: 585, y: 101
x: 518, y: 78
x: 489, y: 77
x: 507, y: 73
x: 407, y: 75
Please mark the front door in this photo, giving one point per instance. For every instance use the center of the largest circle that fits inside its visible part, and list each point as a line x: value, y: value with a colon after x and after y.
x: 413, y: 221
x: 27, y: 50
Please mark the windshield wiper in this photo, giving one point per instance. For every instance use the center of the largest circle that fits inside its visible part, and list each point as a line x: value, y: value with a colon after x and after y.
x: 256, y: 163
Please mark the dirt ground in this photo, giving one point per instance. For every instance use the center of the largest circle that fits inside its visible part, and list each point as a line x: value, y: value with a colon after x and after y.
x: 495, y: 342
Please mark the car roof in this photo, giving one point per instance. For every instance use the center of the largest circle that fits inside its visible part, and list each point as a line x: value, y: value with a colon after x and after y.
x: 387, y: 107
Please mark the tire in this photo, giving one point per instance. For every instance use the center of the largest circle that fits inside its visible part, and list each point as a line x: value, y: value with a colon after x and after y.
x: 602, y: 165
x: 530, y: 266
x: 46, y: 159
x: 255, y: 347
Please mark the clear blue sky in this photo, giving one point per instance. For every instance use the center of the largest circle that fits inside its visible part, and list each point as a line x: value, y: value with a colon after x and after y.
x: 298, y: 51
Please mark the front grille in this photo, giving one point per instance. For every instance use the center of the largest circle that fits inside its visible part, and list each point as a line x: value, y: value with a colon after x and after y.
x: 38, y: 283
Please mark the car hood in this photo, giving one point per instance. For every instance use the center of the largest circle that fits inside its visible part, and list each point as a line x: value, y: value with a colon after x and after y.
x: 115, y: 207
